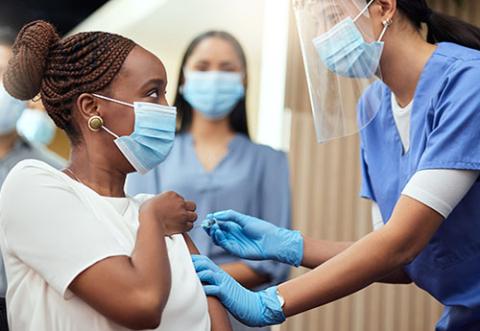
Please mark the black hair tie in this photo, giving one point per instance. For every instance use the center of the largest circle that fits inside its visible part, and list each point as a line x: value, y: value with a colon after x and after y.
x: 427, y: 15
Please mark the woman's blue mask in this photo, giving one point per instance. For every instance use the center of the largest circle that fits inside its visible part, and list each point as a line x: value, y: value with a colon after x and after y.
x: 213, y: 93
x: 344, y: 51
x: 153, y: 135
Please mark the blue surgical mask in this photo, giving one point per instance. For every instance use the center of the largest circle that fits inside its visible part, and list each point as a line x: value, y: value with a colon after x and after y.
x: 36, y: 126
x: 213, y: 93
x: 10, y: 111
x: 345, y: 52
x: 153, y: 135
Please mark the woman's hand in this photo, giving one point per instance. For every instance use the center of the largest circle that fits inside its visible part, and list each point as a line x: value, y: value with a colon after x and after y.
x: 251, y: 308
x: 176, y: 214
x: 251, y: 238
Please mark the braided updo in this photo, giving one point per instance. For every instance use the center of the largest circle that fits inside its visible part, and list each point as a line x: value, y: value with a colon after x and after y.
x: 62, y: 69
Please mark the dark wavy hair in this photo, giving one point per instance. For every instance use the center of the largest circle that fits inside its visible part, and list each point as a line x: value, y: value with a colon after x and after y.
x: 441, y: 27
x: 238, y: 117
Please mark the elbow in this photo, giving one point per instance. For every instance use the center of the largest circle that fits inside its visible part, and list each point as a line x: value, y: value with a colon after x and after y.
x: 402, y: 250
x: 146, y: 312
x: 404, y: 253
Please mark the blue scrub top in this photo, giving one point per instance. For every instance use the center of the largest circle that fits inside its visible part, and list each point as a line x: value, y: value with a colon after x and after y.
x: 252, y: 179
x: 445, y: 134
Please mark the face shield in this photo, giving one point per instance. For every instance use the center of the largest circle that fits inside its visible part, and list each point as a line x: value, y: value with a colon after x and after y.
x: 341, y: 56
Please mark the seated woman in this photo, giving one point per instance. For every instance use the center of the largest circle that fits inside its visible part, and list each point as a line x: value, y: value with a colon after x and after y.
x: 79, y: 254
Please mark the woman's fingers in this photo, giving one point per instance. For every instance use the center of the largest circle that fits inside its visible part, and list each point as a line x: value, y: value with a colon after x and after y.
x: 190, y: 205
x: 190, y: 216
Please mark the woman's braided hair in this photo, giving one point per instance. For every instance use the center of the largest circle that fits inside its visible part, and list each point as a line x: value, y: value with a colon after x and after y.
x: 62, y: 69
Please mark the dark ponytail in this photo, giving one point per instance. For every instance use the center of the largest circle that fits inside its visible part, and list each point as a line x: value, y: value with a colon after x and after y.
x: 441, y: 27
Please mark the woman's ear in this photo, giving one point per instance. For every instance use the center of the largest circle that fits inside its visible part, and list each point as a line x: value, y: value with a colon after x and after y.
x: 87, y: 106
x: 387, y: 9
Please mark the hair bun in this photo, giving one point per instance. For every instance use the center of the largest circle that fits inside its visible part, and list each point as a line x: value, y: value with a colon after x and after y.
x: 24, y: 75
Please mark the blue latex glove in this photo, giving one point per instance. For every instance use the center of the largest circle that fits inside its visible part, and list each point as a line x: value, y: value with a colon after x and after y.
x: 253, y: 239
x: 251, y: 308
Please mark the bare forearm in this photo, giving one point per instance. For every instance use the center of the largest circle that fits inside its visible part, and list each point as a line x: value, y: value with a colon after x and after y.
x: 374, y: 257
x: 317, y: 252
x: 245, y: 275
x: 350, y: 271
x: 150, y: 257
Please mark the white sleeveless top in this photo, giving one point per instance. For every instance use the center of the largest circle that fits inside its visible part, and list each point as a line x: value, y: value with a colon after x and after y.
x: 52, y: 228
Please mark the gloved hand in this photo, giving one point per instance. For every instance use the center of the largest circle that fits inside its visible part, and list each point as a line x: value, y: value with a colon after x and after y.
x: 251, y: 308
x: 253, y: 239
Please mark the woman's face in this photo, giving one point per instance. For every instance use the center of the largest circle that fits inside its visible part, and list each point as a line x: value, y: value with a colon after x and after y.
x: 142, y: 78
x: 214, y: 54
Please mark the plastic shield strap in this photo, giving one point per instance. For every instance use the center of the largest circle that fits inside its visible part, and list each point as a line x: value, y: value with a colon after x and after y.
x: 341, y: 56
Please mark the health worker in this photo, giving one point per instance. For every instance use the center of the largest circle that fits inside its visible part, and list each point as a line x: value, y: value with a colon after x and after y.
x: 418, y: 115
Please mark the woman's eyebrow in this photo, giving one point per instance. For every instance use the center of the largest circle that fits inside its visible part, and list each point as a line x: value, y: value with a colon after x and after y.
x: 228, y: 64
x: 154, y: 81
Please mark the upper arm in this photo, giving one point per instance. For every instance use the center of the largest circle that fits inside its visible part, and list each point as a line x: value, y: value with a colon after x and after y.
x: 410, y: 228
x: 192, y: 248
x: 441, y: 189
x: 112, y: 288
x: 427, y: 200
x: 218, y: 314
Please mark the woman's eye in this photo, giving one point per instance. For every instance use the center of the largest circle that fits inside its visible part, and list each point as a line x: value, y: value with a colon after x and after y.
x: 153, y: 94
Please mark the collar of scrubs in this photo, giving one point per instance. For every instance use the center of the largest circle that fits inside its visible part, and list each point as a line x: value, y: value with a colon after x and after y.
x: 232, y: 145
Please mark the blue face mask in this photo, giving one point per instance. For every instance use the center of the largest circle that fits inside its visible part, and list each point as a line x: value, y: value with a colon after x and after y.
x: 36, y: 126
x: 345, y: 52
x: 213, y: 93
x: 153, y: 135
x: 10, y: 111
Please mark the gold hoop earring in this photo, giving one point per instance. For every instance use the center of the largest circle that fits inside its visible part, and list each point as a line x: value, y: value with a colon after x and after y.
x: 95, y: 123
